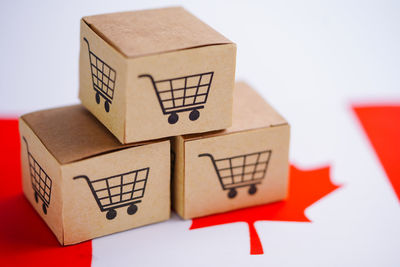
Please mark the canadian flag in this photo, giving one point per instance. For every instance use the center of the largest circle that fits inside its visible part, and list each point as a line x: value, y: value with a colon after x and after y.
x: 342, y: 213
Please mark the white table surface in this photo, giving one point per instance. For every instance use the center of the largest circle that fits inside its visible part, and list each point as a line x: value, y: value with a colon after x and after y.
x: 310, y: 59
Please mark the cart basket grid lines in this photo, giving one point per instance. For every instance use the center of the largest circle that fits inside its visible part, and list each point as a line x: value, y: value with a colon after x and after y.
x: 186, y: 96
x: 186, y: 93
x: 176, y: 90
x: 109, y: 188
x: 134, y: 185
x: 197, y: 90
x: 104, y: 87
x: 41, y: 182
x: 39, y: 186
x: 242, y: 175
x: 186, y: 77
x: 182, y: 98
x: 116, y: 197
x: 241, y: 166
x: 251, y: 170
x: 121, y: 203
x: 38, y: 180
x: 103, y: 77
x: 125, y: 193
x: 99, y: 82
x: 182, y: 105
x: 122, y: 174
x: 42, y: 186
x: 253, y: 181
x: 116, y: 186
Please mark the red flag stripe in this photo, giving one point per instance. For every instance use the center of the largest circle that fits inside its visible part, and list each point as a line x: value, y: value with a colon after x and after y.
x: 305, y: 188
x: 381, y: 124
x: 25, y: 239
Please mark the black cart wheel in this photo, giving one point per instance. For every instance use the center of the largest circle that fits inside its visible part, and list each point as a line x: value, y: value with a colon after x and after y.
x: 194, y: 115
x: 132, y: 209
x: 44, y: 208
x: 97, y: 98
x: 252, y: 189
x: 36, y: 197
x: 173, y: 118
x: 111, y: 214
x: 107, y: 106
x: 232, y: 193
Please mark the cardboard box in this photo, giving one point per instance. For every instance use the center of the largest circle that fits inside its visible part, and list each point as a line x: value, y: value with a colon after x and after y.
x: 73, y: 171
x: 245, y: 165
x: 156, y: 73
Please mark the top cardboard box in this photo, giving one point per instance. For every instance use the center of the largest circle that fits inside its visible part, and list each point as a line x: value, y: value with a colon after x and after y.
x: 156, y: 73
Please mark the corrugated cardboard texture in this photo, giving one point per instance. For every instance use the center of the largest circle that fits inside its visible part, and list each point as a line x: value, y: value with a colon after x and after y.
x: 256, y: 127
x: 154, y: 31
x: 71, y: 133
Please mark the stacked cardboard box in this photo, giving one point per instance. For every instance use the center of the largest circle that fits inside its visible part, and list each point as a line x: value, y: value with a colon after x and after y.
x: 150, y: 78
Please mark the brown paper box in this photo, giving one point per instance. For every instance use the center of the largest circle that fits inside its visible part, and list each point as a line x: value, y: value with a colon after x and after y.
x: 130, y: 61
x: 71, y: 165
x: 245, y: 165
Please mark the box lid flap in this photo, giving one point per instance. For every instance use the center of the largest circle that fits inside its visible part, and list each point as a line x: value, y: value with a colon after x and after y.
x: 250, y: 111
x: 145, y: 32
x: 71, y: 133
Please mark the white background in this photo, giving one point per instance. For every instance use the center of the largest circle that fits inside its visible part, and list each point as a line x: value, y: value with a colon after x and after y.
x: 310, y: 59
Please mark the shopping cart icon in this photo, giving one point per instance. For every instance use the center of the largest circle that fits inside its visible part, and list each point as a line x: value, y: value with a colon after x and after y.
x: 103, y: 78
x: 241, y: 171
x: 41, y: 182
x: 187, y: 93
x: 126, y: 189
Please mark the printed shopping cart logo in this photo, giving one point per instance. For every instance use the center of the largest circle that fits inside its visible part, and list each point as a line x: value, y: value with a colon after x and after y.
x: 241, y: 171
x: 41, y: 182
x: 126, y: 189
x: 187, y: 93
x: 103, y: 78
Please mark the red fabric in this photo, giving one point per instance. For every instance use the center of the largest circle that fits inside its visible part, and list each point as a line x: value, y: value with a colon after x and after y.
x: 305, y: 188
x: 382, y: 126
x: 25, y: 239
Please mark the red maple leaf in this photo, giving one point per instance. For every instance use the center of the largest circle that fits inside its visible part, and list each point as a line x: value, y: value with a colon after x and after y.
x: 305, y: 188
x: 382, y: 126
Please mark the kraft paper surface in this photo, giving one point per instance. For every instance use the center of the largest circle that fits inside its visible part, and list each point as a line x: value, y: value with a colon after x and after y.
x: 83, y: 218
x: 250, y: 111
x: 75, y: 165
x: 245, y: 165
x: 53, y: 191
x: 140, y: 33
x: 71, y: 133
x: 204, y: 194
x: 103, y: 68
x: 156, y: 96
